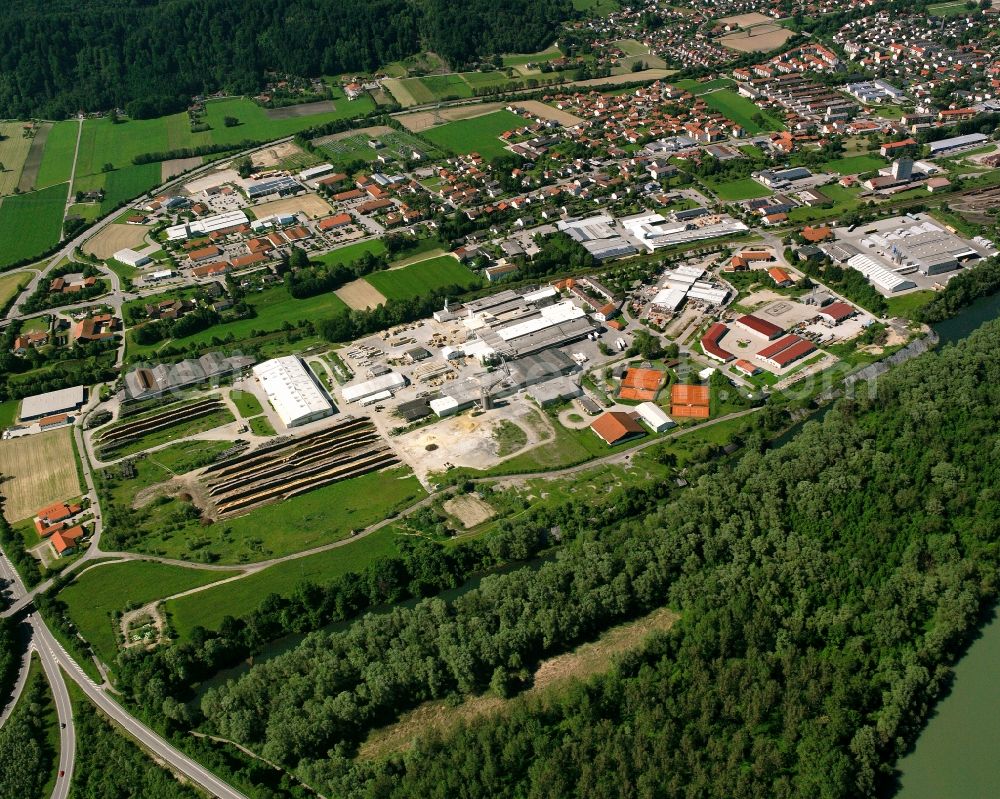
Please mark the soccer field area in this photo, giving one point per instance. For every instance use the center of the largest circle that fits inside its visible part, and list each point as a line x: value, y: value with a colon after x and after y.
x: 31, y: 223
x: 742, y: 111
x: 39, y: 469
x: 476, y: 135
x: 742, y: 189
x: 422, y: 278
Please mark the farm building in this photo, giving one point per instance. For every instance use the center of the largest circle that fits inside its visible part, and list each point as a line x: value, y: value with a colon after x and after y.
x: 65, y: 542
x: 710, y: 343
x: 654, y: 416
x: 761, y: 327
x: 293, y: 391
x: 132, y: 258
x: 65, y: 400
x: 614, y: 427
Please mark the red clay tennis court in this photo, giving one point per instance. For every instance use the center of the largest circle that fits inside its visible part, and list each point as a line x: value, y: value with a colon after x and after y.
x: 640, y: 385
x: 690, y: 401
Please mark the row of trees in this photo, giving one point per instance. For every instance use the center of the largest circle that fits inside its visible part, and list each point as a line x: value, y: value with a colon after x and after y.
x: 27, y: 759
x: 151, y: 58
x: 824, y: 586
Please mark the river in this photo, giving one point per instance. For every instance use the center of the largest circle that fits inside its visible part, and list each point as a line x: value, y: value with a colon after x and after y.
x: 957, y: 756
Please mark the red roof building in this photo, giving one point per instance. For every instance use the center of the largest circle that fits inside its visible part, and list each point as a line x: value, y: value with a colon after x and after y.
x: 780, y: 276
x: 837, y: 312
x: 65, y: 541
x: 333, y: 222
x: 710, y: 343
x: 786, y: 351
x: 614, y: 427
x: 761, y: 327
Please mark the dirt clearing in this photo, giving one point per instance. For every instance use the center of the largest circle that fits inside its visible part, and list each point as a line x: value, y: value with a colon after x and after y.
x: 470, y: 510
x: 746, y: 20
x: 301, y: 110
x: 758, y: 39
x: 178, y: 166
x: 582, y: 663
x: 360, y: 295
x: 36, y: 471
x: 311, y: 205
x: 114, y: 238
x: 273, y: 156
x: 374, y: 131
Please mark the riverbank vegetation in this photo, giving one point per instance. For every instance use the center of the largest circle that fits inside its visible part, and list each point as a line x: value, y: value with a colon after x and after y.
x: 824, y: 588
x: 961, y: 291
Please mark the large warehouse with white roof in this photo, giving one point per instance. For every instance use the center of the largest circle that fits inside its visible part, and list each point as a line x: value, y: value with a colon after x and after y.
x: 293, y: 391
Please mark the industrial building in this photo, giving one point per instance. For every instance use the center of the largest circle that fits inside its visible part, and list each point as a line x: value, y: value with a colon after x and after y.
x: 944, y: 146
x: 597, y: 236
x: 374, y: 390
x: 761, y: 327
x: 293, y: 391
x: 880, y: 277
x: 131, y: 258
x: 282, y: 186
x: 210, y: 224
x: 65, y: 400
x: 653, y: 231
x: 924, y: 246
x: 148, y: 382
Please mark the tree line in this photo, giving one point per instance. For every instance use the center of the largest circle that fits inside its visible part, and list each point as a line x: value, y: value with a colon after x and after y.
x: 961, y: 291
x: 825, y: 587
x: 151, y: 58
x: 27, y: 759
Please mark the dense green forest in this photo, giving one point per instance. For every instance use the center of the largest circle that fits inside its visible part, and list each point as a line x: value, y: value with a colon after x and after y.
x: 110, y: 765
x: 825, y: 586
x: 150, y: 57
x: 962, y: 290
x: 27, y: 759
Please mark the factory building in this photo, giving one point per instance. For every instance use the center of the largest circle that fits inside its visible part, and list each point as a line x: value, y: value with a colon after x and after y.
x: 382, y: 386
x: 131, y: 258
x: 880, y: 277
x: 282, y: 186
x: 210, y: 224
x: 293, y: 391
x: 64, y: 400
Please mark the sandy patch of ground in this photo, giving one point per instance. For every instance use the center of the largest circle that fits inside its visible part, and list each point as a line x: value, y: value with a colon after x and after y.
x: 312, y: 205
x: 760, y: 297
x: 467, y: 440
x: 545, y: 111
x: 374, y: 130
x: 582, y: 663
x: 422, y: 120
x: 470, y: 510
x: 273, y: 156
x: 746, y: 20
x: 575, y: 423
x: 301, y: 110
x: 178, y: 166
x: 629, y: 77
x: 36, y: 471
x: 759, y: 38
x: 114, y: 238
x: 360, y: 295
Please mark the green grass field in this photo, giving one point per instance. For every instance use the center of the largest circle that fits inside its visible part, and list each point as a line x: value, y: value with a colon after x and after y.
x: 165, y: 526
x: 208, y: 608
x: 906, y: 304
x: 274, y: 307
x: 696, y: 87
x: 8, y: 412
x: 844, y: 199
x: 98, y: 593
x: 742, y: 189
x: 596, y: 7
x: 422, y: 278
x: 478, y: 135
x: 442, y: 86
x: 10, y: 284
x: 519, y: 59
x: 125, y: 184
x: 351, y: 252
x: 57, y: 158
x: 951, y: 9
x: 742, y: 111
x: 852, y: 165
x: 246, y: 403
x: 31, y: 223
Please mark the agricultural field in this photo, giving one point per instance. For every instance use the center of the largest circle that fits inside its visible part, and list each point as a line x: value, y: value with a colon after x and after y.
x: 57, y: 157
x: 597, y: 8
x: 742, y: 189
x: 697, y: 87
x: 38, y: 470
x: 208, y: 608
x: 852, y: 165
x: 760, y: 38
x: 520, y: 59
x: 103, y: 590
x: 14, y: 147
x: 274, y: 307
x: 443, y: 87
x: 742, y: 111
x: 477, y: 135
x: 31, y: 223
x: 956, y: 8
x: 344, y: 150
x: 422, y: 278
x: 114, y: 238
x: 10, y: 284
